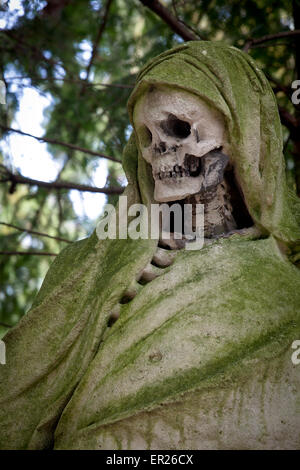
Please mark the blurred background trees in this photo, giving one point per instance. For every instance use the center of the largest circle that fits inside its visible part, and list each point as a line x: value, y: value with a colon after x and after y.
x: 81, y: 57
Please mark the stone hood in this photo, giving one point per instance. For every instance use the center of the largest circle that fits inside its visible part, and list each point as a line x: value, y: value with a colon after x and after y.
x: 68, y: 375
x: 230, y: 81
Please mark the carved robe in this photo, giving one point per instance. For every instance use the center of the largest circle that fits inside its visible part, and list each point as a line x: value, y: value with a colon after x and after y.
x: 201, y: 357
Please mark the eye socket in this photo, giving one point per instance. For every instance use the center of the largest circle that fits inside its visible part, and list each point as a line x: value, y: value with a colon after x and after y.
x: 145, y: 136
x: 175, y: 127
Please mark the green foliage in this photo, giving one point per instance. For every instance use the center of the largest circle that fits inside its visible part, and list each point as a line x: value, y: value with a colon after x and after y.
x: 47, y: 44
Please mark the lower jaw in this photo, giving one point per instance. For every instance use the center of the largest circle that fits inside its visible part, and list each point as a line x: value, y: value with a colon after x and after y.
x: 238, y: 221
x: 167, y: 191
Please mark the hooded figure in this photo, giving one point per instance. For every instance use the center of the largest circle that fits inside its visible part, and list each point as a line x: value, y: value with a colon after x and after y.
x: 201, y: 355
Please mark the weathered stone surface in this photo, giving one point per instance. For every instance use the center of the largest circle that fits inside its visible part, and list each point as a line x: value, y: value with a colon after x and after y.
x: 200, y: 357
x: 206, y: 344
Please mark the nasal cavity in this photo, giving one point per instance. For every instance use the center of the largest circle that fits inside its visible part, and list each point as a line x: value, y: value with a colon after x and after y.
x: 162, y: 147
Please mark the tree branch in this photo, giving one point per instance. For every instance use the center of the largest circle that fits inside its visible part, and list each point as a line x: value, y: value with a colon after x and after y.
x: 296, y: 17
x: 178, y: 27
x: 288, y: 120
x: 279, y: 87
x: 39, y: 253
x: 98, y: 38
x: 270, y: 37
x: 70, y: 80
x: 75, y: 130
x: 19, y: 179
x: 23, y: 45
x: 58, y: 142
x: 183, y: 22
x: 33, y: 232
x: 54, y: 8
x: 5, y: 325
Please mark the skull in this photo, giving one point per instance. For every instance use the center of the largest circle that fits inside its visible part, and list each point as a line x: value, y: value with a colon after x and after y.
x: 178, y: 135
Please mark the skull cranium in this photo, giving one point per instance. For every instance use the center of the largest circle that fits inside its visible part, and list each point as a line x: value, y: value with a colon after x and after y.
x: 178, y: 134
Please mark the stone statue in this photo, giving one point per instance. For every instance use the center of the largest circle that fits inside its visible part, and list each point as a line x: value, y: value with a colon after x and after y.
x: 136, y: 344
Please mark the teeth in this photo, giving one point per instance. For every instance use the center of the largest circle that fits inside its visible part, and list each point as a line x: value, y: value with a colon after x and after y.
x: 192, y: 167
